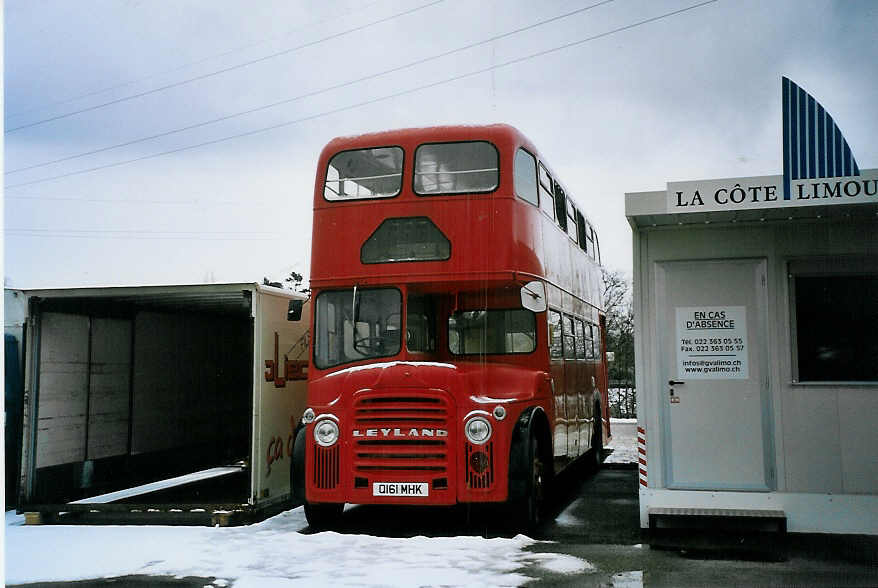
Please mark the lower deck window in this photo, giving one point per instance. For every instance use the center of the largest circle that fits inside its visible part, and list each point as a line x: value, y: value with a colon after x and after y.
x: 836, y: 326
x: 474, y: 332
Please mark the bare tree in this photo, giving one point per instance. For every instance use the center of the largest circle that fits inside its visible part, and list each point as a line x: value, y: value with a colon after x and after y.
x: 620, y: 341
x: 291, y: 282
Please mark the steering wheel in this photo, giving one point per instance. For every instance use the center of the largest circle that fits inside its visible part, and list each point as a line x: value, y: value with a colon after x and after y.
x: 368, y: 342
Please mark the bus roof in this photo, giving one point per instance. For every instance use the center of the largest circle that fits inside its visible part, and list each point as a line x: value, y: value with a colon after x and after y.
x: 497, y: 132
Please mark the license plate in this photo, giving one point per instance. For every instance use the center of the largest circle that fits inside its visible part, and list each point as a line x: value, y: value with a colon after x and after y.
x: 404, y: 489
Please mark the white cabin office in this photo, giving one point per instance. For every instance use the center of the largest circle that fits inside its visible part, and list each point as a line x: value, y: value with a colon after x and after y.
x: 756, y: 317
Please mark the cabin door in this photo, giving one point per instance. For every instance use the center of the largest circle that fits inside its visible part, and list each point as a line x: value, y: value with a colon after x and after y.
x: 713, y: 390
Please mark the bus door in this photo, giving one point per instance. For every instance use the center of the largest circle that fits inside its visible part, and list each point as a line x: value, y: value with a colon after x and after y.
x: 715, y: 404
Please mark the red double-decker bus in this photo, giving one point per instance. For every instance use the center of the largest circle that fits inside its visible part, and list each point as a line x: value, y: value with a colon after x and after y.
x: 457, y: 333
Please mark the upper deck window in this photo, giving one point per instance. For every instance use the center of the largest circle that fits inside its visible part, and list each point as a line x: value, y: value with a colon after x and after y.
x: 526, y: 177
x: 364, y: 173
x: 571, y: 220
x: 547, y: 200
x: 560, y: 207
x: 592, y: 252
x: 456, y: 168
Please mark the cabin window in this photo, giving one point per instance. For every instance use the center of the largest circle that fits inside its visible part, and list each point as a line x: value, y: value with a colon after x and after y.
x: 456, y: 168
x: 547, y: 199
x: 488, y: 332
x: 555, y: 346
x: 836, y: 320
x: 420, y: 324
x: 526, y: 177
x: 356, y: 324
x: 569, y: 339
x: 364, y: 173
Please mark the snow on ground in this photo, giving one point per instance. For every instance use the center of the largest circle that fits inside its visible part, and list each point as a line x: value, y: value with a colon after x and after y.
x: 271, y: 553
x: 624, y: 443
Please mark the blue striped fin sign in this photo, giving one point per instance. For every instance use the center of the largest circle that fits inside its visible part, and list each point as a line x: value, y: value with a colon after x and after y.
x: 813, y: 146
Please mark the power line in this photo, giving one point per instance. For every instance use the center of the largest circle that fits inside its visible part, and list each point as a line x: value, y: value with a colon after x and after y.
x: 374, y: 100
x: 189, y: 64
x: 223, y: 70
x: 192, y: 202
x: 142, y: 234
x: 139, y: 231
x: 315, y: 92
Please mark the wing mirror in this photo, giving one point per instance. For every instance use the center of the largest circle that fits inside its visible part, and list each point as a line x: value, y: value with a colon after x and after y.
x: 294, y: 312
x: 533, y: 296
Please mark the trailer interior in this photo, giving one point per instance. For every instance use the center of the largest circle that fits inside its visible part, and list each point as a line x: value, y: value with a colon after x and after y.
x: 143, y: 401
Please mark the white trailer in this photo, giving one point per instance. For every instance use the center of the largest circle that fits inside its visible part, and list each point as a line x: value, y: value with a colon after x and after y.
x: 161, y: 403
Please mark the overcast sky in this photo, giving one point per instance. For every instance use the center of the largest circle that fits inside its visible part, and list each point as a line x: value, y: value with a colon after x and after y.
x: 691, y: 95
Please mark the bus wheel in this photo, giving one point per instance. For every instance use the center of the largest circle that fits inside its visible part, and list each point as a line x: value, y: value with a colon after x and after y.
x: 597, y: 438
x: 532, y: 505
x: 324, y: 516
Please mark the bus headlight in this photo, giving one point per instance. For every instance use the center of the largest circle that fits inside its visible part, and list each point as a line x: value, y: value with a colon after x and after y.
x: 326, y: 432
x: 477, y: 430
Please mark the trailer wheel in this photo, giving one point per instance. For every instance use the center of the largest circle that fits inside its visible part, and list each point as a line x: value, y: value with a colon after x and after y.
x: 323, y: 516
x: 597, y: 438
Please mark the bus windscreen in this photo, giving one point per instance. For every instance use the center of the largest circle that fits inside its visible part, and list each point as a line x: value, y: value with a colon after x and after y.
x: 353, y: 325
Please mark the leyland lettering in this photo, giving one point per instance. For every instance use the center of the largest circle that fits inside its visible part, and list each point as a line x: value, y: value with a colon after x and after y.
x: 400, y: 433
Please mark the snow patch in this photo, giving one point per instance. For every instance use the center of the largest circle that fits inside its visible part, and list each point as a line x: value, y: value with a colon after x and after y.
x: 628, y: 579
x: 624, y: 442
x: 566, y: 519
x: 271, y: 553
x: 562, y: 564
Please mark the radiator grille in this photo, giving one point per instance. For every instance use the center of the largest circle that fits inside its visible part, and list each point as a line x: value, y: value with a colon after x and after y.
x: 407, y: 437
x: 476, y: 480
x: 326, y: 467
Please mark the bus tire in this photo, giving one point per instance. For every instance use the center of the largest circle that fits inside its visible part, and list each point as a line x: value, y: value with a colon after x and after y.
x: 597, y: 438
x: 531, y: 507
x: 323, y: 516
x: 297, y: 468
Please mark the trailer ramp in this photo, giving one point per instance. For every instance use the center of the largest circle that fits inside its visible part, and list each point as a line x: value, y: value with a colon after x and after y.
x: 133, y: 505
